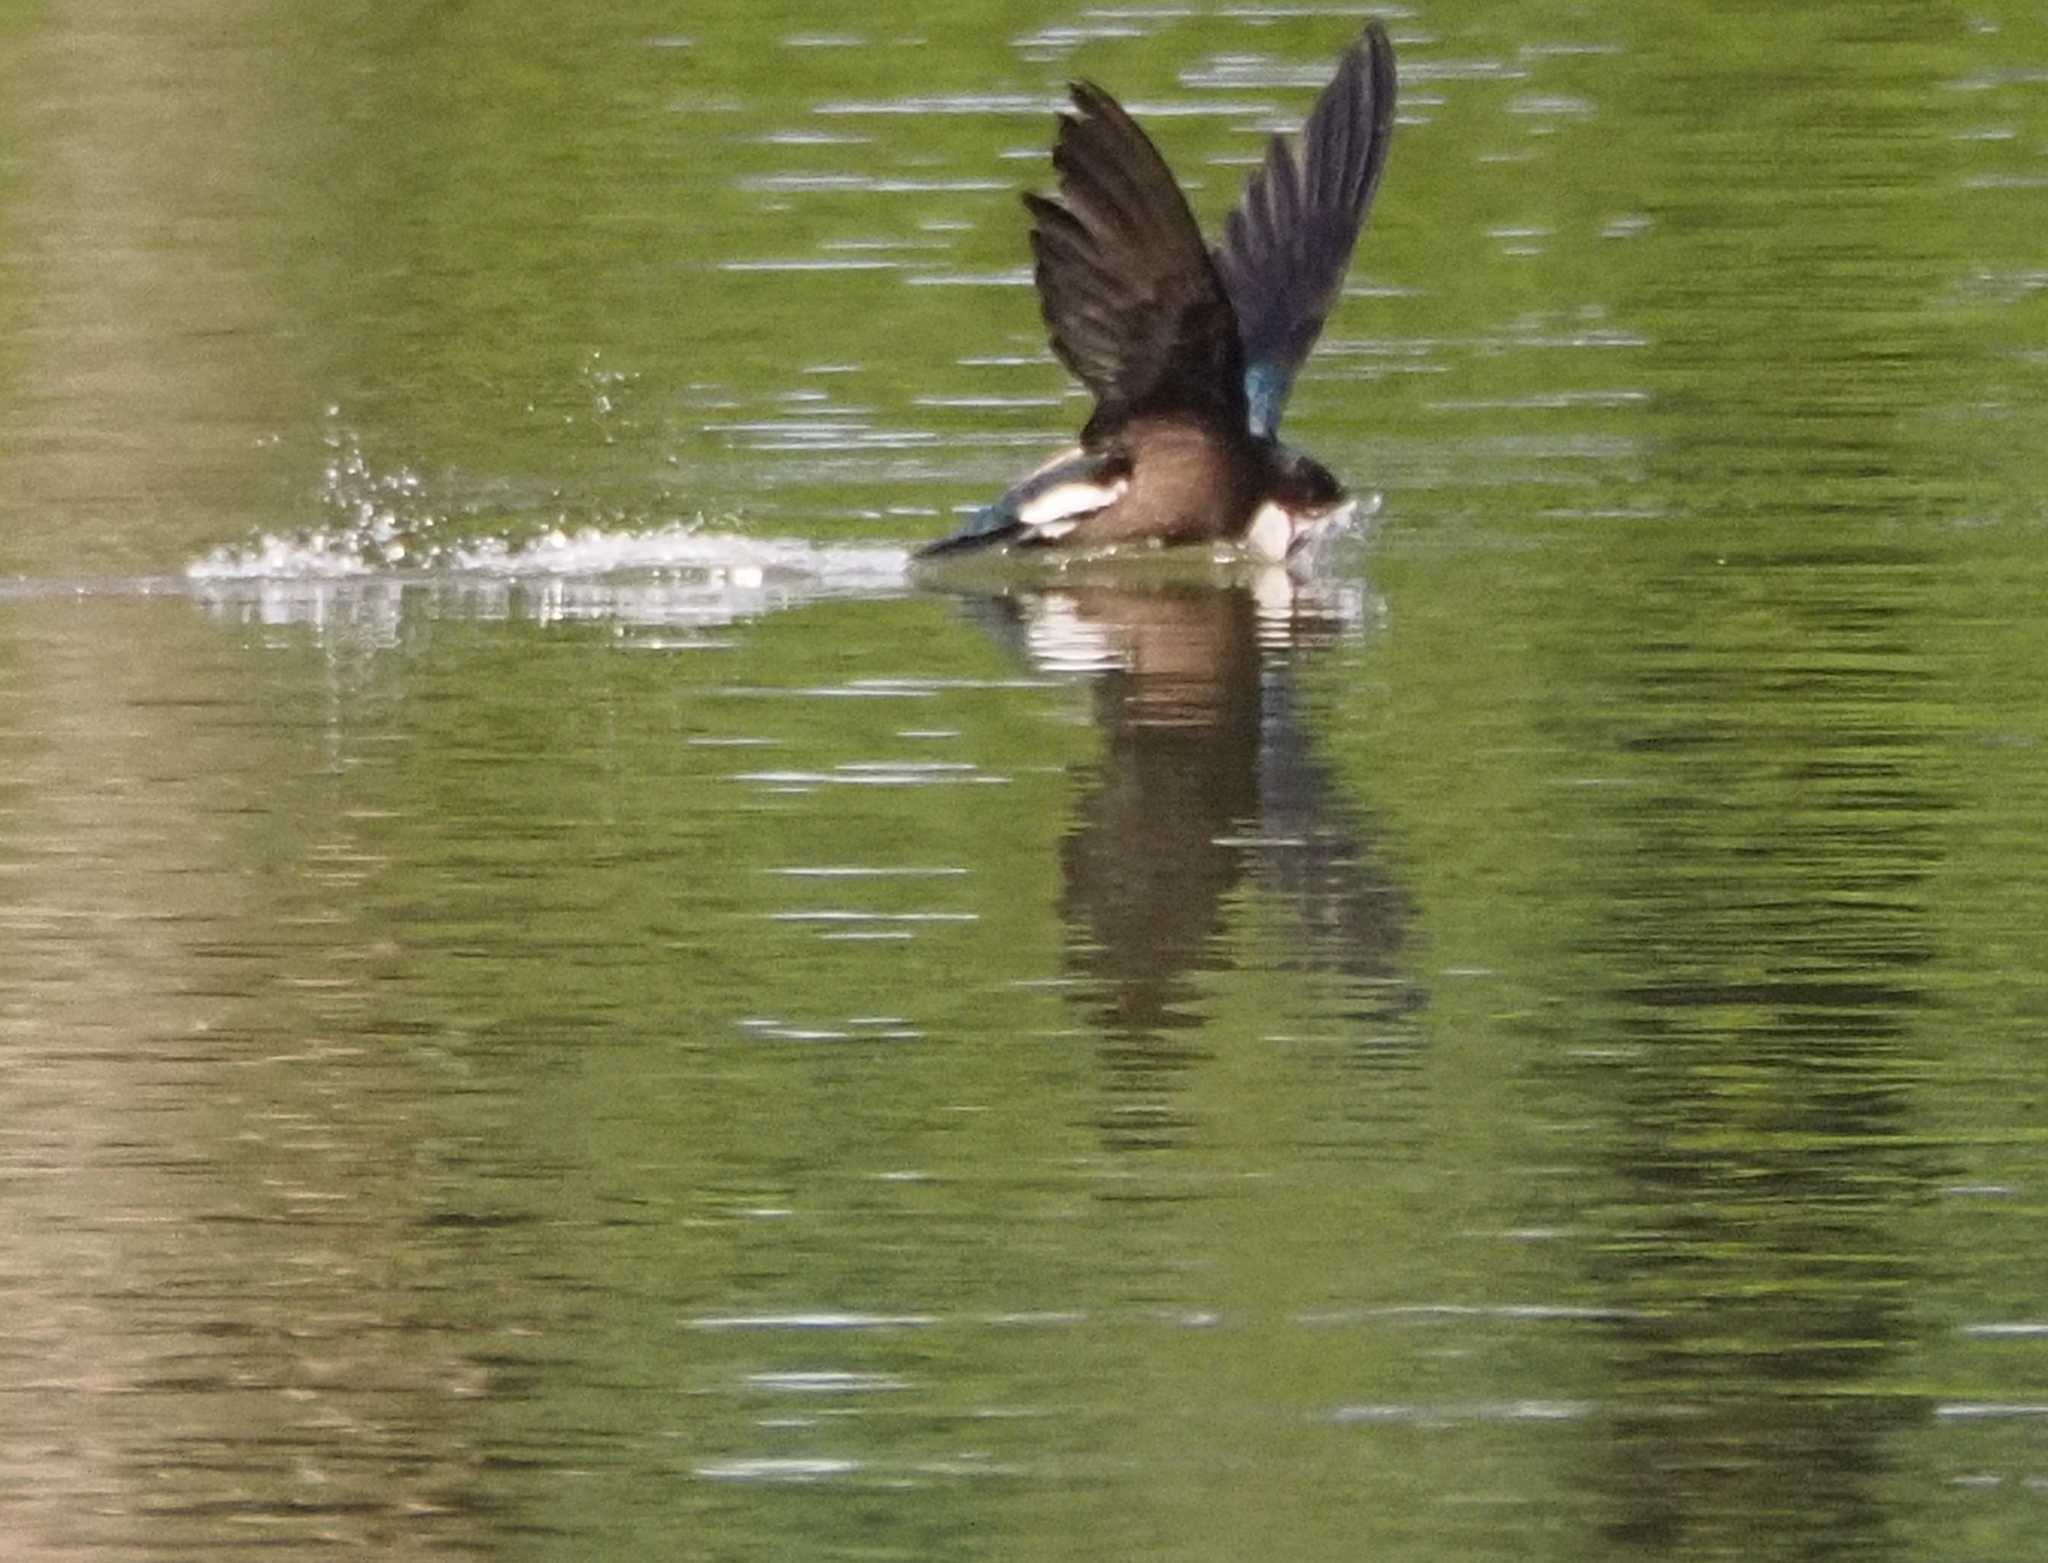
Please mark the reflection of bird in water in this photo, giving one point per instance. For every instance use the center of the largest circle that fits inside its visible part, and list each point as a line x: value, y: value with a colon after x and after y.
x: 1188, y: 354
x: 1208, y: 781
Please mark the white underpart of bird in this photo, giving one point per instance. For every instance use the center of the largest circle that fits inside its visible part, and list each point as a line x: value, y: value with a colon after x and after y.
x: 1059, y: 510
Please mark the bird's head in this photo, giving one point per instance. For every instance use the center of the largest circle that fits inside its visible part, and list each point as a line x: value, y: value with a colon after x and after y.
x: 1304, y: 502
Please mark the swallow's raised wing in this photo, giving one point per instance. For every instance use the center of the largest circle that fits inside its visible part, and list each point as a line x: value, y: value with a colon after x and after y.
x: 1131, y: 298
x: 1288, y: 241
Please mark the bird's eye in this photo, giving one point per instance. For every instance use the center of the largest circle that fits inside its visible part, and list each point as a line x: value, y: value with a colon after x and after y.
x: 1322, y: 488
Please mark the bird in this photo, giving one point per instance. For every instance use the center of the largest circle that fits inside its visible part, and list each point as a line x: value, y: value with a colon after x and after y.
x: 1189, y: 352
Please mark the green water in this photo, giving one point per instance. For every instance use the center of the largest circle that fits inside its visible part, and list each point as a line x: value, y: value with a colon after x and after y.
x: 554, y: 1003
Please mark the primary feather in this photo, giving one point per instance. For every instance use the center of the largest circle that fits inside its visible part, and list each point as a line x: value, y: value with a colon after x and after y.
x: 1287, y: 242
x: 1130, y: 296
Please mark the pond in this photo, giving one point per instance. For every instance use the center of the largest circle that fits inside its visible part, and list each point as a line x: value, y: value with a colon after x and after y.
x: 560, y: 1000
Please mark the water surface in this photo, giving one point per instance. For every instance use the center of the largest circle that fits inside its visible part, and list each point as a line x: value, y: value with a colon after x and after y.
x: 556, y: 1000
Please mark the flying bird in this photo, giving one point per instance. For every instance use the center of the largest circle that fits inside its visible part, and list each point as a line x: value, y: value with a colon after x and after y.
x: 1189, y: 352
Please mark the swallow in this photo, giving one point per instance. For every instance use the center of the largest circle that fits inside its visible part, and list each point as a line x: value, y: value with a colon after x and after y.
x: 1189, y: 352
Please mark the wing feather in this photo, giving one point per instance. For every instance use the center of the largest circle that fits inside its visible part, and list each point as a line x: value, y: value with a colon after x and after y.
x: 1131, y: 297
x: 1042, y: 506
x: 1287, y: 242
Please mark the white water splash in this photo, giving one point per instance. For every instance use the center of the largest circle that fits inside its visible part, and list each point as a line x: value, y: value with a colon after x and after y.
x: 678, y: 576
x: 688, y: 547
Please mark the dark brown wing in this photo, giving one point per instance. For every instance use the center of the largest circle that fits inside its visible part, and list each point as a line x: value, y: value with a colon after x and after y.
x: 1288, y: 241
x: 1130, y: 296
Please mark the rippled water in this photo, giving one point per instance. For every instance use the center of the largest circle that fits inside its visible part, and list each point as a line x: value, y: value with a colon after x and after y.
x: 558, y: 1000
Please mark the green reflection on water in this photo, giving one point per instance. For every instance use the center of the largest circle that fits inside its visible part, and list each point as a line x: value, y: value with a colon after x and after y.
x: 433, y: 1082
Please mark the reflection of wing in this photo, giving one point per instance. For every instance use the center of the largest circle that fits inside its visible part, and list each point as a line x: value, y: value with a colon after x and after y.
x: 1130, y: 296
x: 1287, y: 242
x: 1043, y: 507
